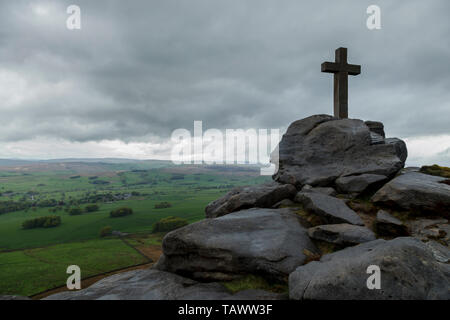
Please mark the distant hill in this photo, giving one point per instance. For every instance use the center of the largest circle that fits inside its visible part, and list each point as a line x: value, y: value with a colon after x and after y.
x: 101, y: 165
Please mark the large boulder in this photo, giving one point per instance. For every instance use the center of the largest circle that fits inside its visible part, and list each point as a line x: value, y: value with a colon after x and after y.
x: 319, y: 149
x: 151, y: 284
x: 417, y: 192
x: 269, y: 242
x: 330, y: 209
x: 341, y: 234
x: 260, y: 196
x: 409, y: 270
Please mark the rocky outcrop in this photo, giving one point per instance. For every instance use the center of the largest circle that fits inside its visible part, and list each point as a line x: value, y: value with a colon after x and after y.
x: 342, y: 234
x: 247, y: 233
x: 319, y: 149
x: 416, y: 192
x: 387, y: 225
x: 151, y: 284
x: 409, y: 270
x: 260, y: 196
x: 330, y: 209
x: 270, y: 242
x: 358, y: 184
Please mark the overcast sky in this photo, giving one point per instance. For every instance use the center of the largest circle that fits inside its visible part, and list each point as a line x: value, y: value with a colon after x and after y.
x: 137, y: 70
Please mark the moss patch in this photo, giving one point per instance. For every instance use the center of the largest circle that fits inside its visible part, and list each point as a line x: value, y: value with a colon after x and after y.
x: 362, y: 205
x: 311, y: 256
x: 308, y: 219
x: 255, y: 282
x: 436, y: 170
x: 326, y: 247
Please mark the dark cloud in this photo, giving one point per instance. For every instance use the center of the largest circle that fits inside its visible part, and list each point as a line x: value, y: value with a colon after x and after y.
x: 141, y: 69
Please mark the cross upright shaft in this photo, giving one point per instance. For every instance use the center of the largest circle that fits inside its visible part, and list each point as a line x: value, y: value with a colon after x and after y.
x: 341, y: 69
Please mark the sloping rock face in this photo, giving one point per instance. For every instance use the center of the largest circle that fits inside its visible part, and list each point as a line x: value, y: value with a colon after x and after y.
x: 319, y: 149
x: 270, y: 242
x: 342, y: 234
x: 325, y: 190
x: 414, y: 191
x: 409, y: 270
x: 151, y: 284
x: 387, y: 225
x: 358, y: 184
x: 260, y: 196
x: 330, y: 209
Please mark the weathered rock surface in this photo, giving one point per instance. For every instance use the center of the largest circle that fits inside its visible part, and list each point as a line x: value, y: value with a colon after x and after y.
x: 271, y: 242
x: 260, y: 196
x: 325, y: 190
x: 342, y: 234
x: 414, y: 191
x: 319, y: 149
x: 376, y: 127
x: 7, y: 297
x: 387, y: 225
x: 409, y: 270
x: 330, y: 209
x: 151, y: 284
x: 426, y: 229
x: 441, y: 253
x: 375, y: 138
x: 284, y: 203
x: 359, y: 183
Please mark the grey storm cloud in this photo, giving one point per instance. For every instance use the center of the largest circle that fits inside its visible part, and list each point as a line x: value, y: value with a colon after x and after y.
x: 140, y: 69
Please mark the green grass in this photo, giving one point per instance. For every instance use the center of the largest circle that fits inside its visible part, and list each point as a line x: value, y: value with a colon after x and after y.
x: 436, y: 170
x: 188, y: 198
x: 88, y: 225
x: 137, y: 240
x: 255, y: 282
x: 31, y: 271
x: 41, y: 256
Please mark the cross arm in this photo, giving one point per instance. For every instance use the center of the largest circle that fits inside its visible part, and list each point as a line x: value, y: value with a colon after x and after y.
x: 353, y: 69
x: 330, y: 67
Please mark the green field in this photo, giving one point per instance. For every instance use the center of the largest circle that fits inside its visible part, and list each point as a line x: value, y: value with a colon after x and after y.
x: 35, y: 260
x: 28, y: 272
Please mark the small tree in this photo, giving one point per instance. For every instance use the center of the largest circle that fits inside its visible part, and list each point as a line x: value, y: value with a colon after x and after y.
x: 169, y: 223
x: 105, y: 231
x: 163, y: 205
x: 121, y: 212
x: 92, y: 208
x: 42, y: 222
x: 75, y: 211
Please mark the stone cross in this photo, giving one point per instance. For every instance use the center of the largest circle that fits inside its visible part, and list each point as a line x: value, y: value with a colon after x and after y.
x: 341, y: 70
